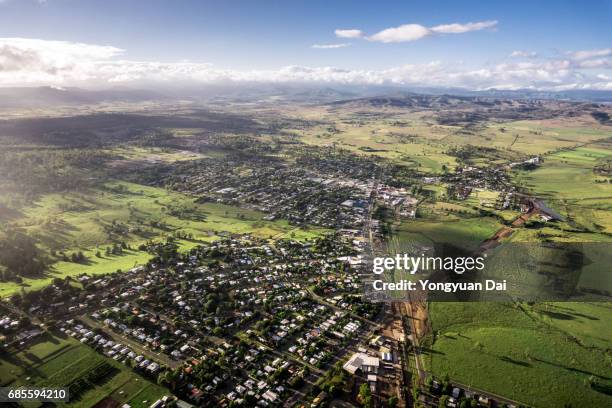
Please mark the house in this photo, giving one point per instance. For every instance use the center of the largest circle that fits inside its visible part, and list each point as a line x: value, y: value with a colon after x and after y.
x: 270, y: 396
x: 319, y: 399
x: 361, y: 361
x: 386, y: 356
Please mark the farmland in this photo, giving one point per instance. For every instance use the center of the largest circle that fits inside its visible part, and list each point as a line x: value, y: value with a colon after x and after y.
x: 498, y: 346
x: 55, y: 360
x: 466, y: 233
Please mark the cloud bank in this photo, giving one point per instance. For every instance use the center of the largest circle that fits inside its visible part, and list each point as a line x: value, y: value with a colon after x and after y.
x: 59, y: 63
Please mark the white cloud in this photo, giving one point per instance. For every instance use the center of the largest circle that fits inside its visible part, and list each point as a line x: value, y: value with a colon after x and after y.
x: 16, y: 53
x: 596, y: 63
x: 463, y: 28
x: 587, y: 54
x: 413, y: 32
x: 330, y: 46
x: 403, y: 33
x: 60, y: 63
x: 524, y: 54
x: 24, y: 60
x: 348, y: 33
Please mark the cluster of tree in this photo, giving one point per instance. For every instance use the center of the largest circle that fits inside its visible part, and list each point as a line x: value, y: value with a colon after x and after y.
x: 116, y: 228
x: 42, y: 171
x: 185, y: 212
x: 165, y: 252
x: 78, y: 257
x: 365, y: 396
x: 116, y: 249
x: 601, y: 117
x: 20, y: 257
x: 182, y: 235
x: 468, y: 153
x: 335, y: 382
x: 603, y: 168
x: 60, y: 291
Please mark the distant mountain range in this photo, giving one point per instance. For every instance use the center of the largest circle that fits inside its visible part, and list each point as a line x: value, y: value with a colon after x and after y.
x: 53, y: 96
x: 250, y: 92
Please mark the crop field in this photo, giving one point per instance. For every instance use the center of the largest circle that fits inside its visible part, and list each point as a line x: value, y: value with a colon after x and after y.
x: 54, y: 360
x: 500, y: 347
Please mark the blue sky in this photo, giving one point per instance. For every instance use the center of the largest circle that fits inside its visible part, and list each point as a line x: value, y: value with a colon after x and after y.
x: 246, y: 40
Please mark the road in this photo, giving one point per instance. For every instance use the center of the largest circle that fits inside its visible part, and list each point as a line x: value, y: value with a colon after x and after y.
x: 353, y: 314
x: 489, y: 394
x: 414, y: 338
x: 135, y: 346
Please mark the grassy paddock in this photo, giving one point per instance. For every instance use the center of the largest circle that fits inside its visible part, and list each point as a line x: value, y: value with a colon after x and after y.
x: 501, y: 348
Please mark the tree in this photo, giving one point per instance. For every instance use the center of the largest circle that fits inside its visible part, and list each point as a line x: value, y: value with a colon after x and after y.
x: 20, y: 256
x: 24, y: 322
x: 443, y: 401
x: 365, y: 396
x: 392, y: 402
x: 16, y: 299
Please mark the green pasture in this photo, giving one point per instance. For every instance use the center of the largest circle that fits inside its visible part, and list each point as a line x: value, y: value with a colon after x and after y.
x: 501, y: 348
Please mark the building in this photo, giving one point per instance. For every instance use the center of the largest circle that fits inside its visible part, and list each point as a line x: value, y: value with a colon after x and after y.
x: 361, y: 361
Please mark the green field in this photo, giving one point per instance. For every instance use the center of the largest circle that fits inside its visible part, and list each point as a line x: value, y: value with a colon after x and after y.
x: 465, y: 233
x: 500, y: 348
x: 569, y: 175
x: 83, y: 219
x: 567, y: 180
x: 416, y: 145
x: 532, y: 137
x: 423, y: 144
x: 54, y: 360
x: 120, y: 211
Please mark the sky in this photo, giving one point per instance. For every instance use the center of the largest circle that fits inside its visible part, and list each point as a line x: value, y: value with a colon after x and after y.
x: 553, y: 45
